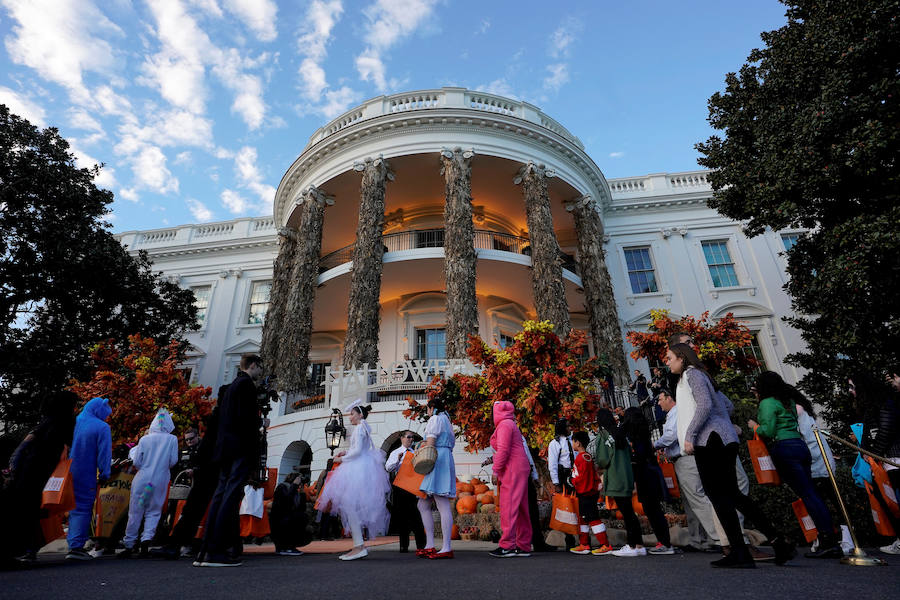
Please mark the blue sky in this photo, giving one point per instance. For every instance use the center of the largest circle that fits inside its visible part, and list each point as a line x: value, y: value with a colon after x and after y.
x: 197, y: 107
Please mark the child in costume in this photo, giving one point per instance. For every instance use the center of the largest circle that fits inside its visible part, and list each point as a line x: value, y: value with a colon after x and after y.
x: 587, y: 487
x: 359, y: 487
x: 154, y: 456
x: 91, y: 456
x: 512, y: 470
x: 440, y: 483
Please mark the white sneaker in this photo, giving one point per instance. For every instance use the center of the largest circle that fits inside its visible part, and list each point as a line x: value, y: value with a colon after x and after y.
x: 815, y: 545
x: 893, y: 548
x: 186, y: 551
x: 628, y: 551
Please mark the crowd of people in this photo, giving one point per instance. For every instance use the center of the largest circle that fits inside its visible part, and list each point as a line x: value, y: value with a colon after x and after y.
x: 696, y: 434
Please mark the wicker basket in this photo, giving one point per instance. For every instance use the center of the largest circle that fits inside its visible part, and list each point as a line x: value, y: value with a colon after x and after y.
x: 424, y: 459
x: 179, y: 491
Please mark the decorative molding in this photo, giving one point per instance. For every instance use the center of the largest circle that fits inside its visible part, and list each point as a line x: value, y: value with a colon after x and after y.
x: 540, y: 168
x: 580, y: 202
x: 667, y: 232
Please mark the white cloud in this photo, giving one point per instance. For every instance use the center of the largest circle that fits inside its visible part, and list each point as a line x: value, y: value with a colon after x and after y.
x: 259, y: 15
x: 170, y: 128
x: 150, y: 171
x: 564, y: 36
x: 500, y: 87
x: 22, y: 106
x: 234, y: 202
x: 199, y: 210
x: 56, y: 39
x: 250, y: 177
x: 107, y: 176
x: 178, y: 70
x: 389, y: 21
x: 81, y: 119
x: 208, y: 6
x: 313, y: 77
x: 338, y: 101
x: 559, y: 75
x: 183, y: 158
x: 129, y: 194
x: 485, y: 25
x: 616, y: 154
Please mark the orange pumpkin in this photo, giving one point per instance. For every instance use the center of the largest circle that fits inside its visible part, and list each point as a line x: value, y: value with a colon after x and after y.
x: 465, y: 487
x: 466, y: 505
x: 487, y: 498
x: 475, y: 481
x: 480, y: 488
x: 464, y: 494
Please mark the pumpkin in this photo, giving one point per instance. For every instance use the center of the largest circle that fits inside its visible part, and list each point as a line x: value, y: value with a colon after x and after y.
x: 480, y: 489
x: 463, y: 494
x: 487, y: 508
x: 487, y: 498
x: 465, y: 487
x: 475, y: 481
x: 466, y: 505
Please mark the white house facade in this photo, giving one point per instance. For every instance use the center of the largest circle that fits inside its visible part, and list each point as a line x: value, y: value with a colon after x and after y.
x: 664, y: 249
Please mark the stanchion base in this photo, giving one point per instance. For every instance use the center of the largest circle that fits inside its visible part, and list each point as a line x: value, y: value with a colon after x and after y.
x: 863, y: 561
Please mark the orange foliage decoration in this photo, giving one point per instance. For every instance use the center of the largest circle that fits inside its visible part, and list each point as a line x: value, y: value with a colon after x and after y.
x: 719, y: 343
x: 543, y: 376
x: 139, y: 379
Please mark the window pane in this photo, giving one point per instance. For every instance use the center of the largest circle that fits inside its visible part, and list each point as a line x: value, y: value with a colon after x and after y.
x: 259, y: 302
x: 721, y: 268
x: 431, y: 344
x: 640, y: 270
x: 789, y: 239
x: 201, y: 301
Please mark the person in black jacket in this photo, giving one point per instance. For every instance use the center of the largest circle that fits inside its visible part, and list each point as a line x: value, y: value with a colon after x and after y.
x: 204, y: 479
x: 236, y: 454
x: 288, y: 517
x: 30, y: 466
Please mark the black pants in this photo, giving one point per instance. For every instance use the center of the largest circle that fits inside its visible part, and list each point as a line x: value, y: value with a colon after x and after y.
x: 537, y: 532
x: 223, y: 526
x: 715, y: 463
x: 649, y: 492
x: 202, y: 490
x: 406, y: 517
x: 587, y: 508
x: 289, y: 531
x: 632, y: 524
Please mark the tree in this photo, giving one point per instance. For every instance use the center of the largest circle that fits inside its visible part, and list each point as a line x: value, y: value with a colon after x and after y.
x: 812, y: 136
x: 65, y: 282
x: 138, y: 379
x: 543, y: 376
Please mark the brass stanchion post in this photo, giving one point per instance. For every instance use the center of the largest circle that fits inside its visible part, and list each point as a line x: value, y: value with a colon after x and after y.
x: 859, y: 558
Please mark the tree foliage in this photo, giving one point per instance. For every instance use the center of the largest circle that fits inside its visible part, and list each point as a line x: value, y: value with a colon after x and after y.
x: 65, y: 282
x: 138, y: 379
x: 811, y: 139
x: 543, y: 376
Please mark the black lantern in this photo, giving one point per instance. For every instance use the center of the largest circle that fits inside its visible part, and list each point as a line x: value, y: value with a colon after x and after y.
x: 335, y: 430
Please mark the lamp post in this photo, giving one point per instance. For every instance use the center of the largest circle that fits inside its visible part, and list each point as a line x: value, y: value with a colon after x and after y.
x: 335, y: 430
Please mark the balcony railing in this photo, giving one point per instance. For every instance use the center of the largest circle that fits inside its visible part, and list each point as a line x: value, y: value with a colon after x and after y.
x: 434, y: 238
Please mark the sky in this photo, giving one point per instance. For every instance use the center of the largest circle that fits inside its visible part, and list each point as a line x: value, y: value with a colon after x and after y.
x: 196, y: 108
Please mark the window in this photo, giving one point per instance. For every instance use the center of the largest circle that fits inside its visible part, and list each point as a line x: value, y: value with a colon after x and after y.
x: 721, y: 267
x: 640, y: 270
x: 201, y: 301
x: 315, y: 376
x: 506, y: 340
x: 431, y: 344
x: 259, y: 302
x: 755, y: 351
x: 789, y: 239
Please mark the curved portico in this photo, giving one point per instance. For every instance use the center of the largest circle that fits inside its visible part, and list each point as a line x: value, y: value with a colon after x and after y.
x: 447, y: 190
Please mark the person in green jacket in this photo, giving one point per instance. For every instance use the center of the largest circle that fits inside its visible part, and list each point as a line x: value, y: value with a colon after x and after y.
x: 612, y: 457
x: 779, y: 428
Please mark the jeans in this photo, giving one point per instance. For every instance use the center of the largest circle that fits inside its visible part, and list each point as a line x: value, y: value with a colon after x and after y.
x: 793, y: 462
x: 223, y: 525
x: 718, y: 474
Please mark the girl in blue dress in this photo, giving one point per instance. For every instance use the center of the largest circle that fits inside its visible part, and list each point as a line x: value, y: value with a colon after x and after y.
x: 440, y: 483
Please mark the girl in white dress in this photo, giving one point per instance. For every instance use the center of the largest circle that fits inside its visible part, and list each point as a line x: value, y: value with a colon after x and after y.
x: 359, y: 487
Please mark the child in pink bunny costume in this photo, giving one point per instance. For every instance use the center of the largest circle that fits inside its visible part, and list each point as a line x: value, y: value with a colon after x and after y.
x: 512, y: 470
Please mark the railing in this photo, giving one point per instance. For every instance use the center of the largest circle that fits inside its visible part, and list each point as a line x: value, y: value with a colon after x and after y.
x: 660, y: 184
x: 449, y: 98
x: 311, y: 397
x: 214, y: 230
x: 158, y: 237
x: 434, y: 238
x: 203, y: 233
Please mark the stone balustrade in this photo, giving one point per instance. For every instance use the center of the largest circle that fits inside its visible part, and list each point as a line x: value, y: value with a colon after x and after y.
x: 659, y: 184
x: 444, y: 98
x: 204, y: 233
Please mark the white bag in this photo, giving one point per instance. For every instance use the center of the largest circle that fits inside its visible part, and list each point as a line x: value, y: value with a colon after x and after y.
x: 252, y: 504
